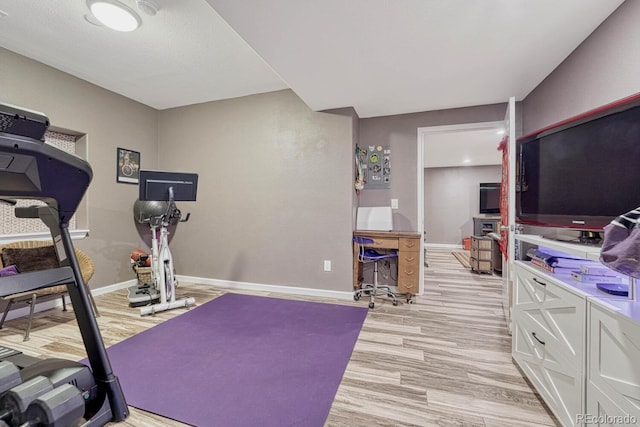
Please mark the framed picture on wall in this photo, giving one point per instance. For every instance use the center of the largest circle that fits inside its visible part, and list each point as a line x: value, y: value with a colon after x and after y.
x: 128, y: 166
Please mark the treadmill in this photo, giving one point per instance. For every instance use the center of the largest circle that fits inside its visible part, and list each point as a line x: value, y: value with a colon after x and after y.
x: 31, y: 169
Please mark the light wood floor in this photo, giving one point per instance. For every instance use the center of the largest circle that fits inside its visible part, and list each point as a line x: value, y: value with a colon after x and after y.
x: 444, y: 360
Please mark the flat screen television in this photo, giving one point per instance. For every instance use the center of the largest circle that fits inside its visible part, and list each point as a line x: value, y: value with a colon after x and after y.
x: 583, y: 172
x: 490, y: 197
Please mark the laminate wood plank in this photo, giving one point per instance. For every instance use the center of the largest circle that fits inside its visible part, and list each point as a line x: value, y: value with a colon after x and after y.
x: 481, y: 407
x: 444, y: 360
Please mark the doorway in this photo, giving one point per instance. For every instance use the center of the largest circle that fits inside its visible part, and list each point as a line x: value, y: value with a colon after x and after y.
x: 448, y: 148
x: 446, y: 135
x: 425, y: 134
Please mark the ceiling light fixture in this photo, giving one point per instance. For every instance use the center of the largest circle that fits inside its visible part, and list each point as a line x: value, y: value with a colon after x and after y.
x: 114, y: 14
x: 148, y: 7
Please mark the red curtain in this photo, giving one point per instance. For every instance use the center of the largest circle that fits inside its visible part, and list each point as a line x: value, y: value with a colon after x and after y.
x: 504, y: 196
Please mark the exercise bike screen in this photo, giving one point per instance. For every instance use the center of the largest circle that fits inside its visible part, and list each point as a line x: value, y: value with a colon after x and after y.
x: 154, y: 185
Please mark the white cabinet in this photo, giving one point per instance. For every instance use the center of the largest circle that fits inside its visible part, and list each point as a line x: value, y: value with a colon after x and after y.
x: 613, y: 371
x: 549, y: 340
x: 578, y: 346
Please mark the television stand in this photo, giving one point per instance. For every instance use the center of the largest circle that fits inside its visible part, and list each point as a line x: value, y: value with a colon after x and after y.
x: 584, y: 238
x: 485, y: 225
x: 579, y: 250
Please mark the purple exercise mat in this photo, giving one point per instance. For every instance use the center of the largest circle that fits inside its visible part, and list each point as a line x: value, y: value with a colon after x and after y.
x: 241, y: 360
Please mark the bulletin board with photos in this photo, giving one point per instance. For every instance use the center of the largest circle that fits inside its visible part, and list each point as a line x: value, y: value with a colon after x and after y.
x: 376, y: 166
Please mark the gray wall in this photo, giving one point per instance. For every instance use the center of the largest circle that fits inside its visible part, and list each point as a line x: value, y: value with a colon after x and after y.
x: 355, y: 137
x: 274, y: 197
x: 108, y: 121
x: 604, y: 68
x: 247, y: 148
x: 451, y: 200
x: 401, y: 133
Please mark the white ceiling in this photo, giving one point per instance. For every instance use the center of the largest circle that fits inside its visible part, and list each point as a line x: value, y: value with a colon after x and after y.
x: 382, y: 57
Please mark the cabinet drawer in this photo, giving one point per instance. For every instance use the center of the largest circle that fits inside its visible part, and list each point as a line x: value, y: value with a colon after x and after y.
x: 406, y: 244
x: 537, y: 287
x: 549, y: 341
x: 481, y: 266
x: 481, y: 255
x: 613, y: 373
x: 557, y: 314
x: 481, y: 243
x: 529, y: 354
x: 545, y: 372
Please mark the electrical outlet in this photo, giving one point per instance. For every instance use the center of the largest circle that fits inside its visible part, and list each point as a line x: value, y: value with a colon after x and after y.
x: 394, y: 203
x: 327, y: 265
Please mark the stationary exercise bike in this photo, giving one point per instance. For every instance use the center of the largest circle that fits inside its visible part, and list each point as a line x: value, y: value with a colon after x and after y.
x: 166, y: 187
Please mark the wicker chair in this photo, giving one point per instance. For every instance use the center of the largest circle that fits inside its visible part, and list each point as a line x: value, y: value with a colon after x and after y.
x: 86, y: 268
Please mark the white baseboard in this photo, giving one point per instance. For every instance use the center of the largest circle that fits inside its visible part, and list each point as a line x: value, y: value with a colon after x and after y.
x: 442, y: 246
x: 228, y: 284
x: 115, y: 287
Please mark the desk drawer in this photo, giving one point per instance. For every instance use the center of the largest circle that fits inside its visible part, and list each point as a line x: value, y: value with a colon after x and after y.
x: 408, y: 260
x: 408, y: 268
x: 408, y: 284
x: 384, y: 243
x: 406, y: 244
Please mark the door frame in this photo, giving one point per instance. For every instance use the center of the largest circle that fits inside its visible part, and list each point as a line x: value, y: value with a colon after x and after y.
x: 507, y: 265
x: 423, y: 134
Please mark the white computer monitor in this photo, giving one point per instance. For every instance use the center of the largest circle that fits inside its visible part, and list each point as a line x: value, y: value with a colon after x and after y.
x: 374, y: 218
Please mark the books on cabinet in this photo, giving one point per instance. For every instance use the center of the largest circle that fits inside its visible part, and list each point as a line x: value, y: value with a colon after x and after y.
x: 581, y: 270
